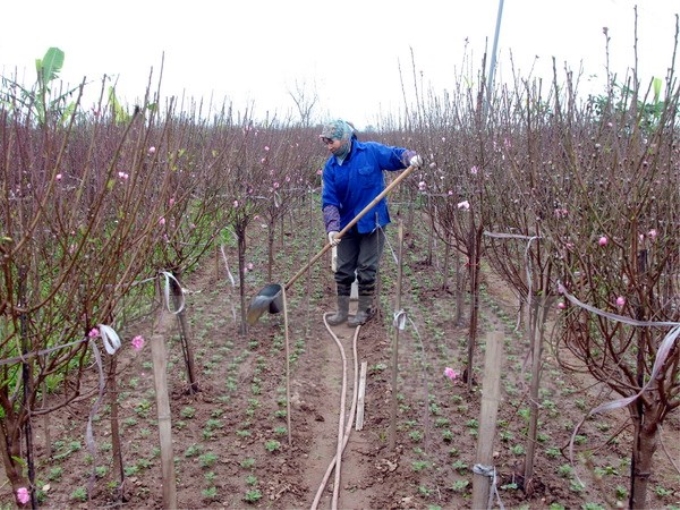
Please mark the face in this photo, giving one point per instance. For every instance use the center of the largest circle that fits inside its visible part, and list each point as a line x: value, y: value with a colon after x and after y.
x: 331, y: 144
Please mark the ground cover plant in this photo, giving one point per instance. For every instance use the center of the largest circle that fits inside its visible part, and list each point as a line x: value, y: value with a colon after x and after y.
x: 131, y: 244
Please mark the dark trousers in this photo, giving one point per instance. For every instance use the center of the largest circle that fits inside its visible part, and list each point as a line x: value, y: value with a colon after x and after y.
x: 360, y: 254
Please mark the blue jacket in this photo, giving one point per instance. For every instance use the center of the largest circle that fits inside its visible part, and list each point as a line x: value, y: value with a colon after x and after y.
x: 353, y: 185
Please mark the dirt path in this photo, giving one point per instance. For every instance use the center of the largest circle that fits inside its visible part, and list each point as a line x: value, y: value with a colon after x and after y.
x: 327, y: 392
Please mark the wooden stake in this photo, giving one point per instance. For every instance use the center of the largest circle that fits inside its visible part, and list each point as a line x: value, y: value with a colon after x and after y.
x: 361, y: 396
x: 160, y: 379
x: 481, y: 484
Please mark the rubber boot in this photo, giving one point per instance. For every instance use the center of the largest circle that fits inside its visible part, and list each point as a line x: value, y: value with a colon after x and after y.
x: 341, y: 315
x: 364, y: 312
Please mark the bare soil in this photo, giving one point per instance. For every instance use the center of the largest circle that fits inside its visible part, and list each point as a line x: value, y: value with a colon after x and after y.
x: 230, y: 439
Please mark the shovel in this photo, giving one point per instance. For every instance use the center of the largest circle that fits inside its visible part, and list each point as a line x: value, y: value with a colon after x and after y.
x: 270, y: 298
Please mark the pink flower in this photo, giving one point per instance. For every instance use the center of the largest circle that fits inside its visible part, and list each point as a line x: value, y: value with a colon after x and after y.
x: 561, y: 305
x: 123, y: 175
x: 422, y: 186
x: 249, y: 266
x: 266, y: 148
x: 94, y: 333
x: 464, y: 205
x: 450, y: 192
x: 276, y: 185
x: 161, y: 221
x: 171, y: 202
x: 473, y: 170
x: 602, y: 241
x: 235, y: 204
x: 450, y: 373
x: 58, y: 177
x: 620, y: 301
x: 23, y: 496
x: 652, y: 234
x: 138, y: 343
x: 152, y: 149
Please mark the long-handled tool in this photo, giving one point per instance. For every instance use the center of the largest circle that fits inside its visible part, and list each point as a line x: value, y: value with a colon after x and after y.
x: 269, y: 298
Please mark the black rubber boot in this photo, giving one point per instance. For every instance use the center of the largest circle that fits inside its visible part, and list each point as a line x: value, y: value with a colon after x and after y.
x: 341, y: 315
x: 364, y: 312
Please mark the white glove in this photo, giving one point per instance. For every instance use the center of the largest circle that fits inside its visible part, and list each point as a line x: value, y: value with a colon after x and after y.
x: 332, y: 239
x: 334, y: 259
x: 416, y: 161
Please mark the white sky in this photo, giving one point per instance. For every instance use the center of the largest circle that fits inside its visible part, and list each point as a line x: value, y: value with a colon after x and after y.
x: 253, y: 52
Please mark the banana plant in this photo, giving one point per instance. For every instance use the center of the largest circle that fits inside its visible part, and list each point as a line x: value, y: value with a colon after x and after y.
x: 39, y: 101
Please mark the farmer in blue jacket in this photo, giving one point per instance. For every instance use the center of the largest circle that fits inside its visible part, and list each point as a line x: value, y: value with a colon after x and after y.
x: 352, y: 178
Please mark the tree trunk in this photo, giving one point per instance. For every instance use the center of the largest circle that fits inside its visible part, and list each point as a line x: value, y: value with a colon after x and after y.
x: 116, y: 447
x: 185, y: 341
x: 241, y: 234
x: 641, y: 465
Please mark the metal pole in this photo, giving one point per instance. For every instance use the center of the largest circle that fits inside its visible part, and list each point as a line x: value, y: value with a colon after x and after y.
x: 492, y: 67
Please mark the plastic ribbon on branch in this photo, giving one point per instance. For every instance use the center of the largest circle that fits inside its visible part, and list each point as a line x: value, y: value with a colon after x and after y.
x: 110, y: 338
x: 399, y: 320
x: 529, y: 240
x: 490, y: 472
x: 166, y: 292
x: 661, y: 356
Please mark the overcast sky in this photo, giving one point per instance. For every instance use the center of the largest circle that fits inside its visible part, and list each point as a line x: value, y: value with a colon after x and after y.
x: 255, y: 52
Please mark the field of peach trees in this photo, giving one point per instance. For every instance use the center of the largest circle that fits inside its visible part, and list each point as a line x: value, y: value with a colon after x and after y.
x: 107, y: 213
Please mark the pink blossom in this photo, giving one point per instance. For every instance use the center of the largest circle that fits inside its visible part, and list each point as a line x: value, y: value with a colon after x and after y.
x: 276, y: 185
x: 235, y: 204
x: 94, y: 333
x: 433, y: 165
x: 422, y: 186
x: 602, y: 241
x: 560, y: 212
x: 171, y: 202
x: 464, y: 205
x: 138, y: 343
x: 473, y: 170
x: 58, y: 177
x: 23, y: 496
x: 561, y: 305
x: 266, y: 148
x: 450, y: 373
x: 620, y: 301
x: 249, y: 266
x: 123, y: 175
x: 161, y: 221
x: 652, y: 234
x: 152, y: 149
x: 450, y: 192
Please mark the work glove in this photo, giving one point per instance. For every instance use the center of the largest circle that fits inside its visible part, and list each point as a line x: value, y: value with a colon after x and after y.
x: 332, y: 239
x: 334, y: 259
x: 416, y: 161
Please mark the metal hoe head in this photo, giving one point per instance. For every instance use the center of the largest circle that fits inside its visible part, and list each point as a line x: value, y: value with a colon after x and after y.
x: 269, y: 299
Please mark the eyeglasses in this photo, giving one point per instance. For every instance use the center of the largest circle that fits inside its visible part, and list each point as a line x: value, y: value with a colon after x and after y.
x: 327, y: 141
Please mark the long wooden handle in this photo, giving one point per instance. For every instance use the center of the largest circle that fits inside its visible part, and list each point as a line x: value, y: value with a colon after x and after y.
x: 354, y: 221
